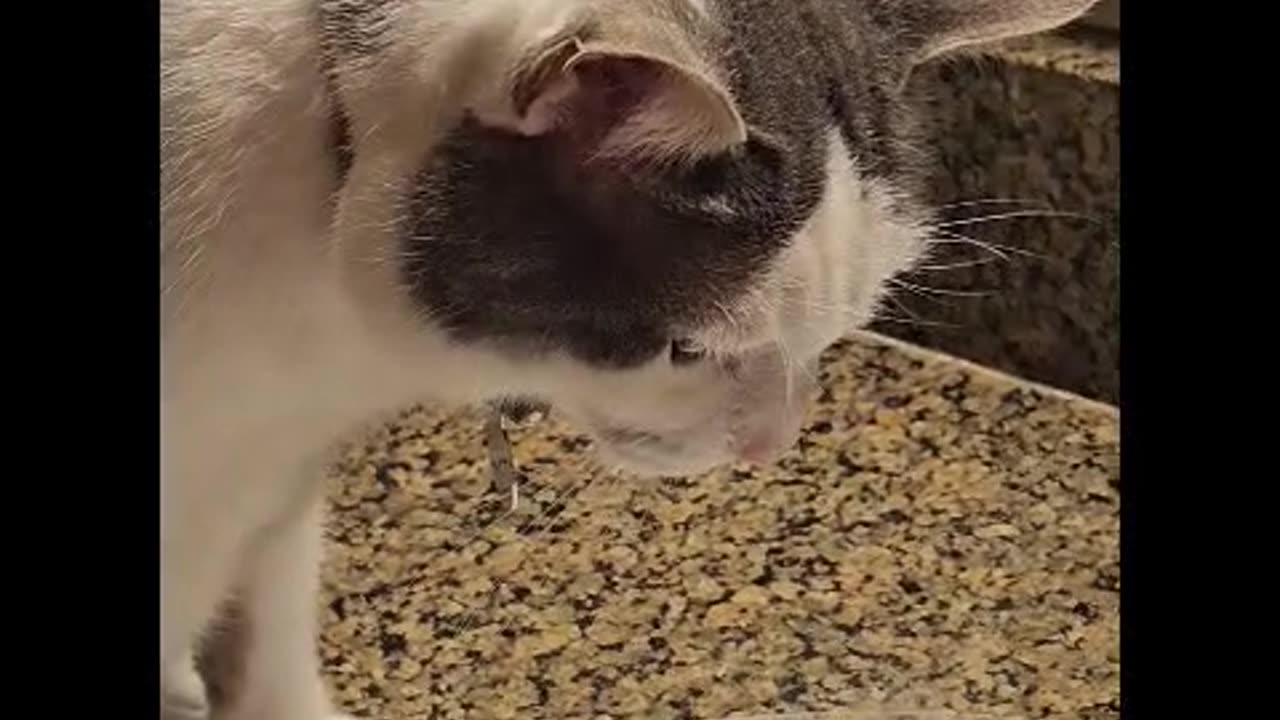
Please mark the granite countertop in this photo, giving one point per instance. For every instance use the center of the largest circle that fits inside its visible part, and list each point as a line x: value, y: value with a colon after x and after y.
x: 942, y: 537
x: 1036, y: 121
x: 1084, y: 53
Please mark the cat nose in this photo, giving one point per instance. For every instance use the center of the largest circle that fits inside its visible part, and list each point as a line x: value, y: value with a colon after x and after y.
x: 763, y: 445
x: 764, y: 434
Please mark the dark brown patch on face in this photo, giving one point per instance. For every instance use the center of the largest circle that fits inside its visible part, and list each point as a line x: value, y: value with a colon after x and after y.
x: 519, y: 240
x: 527, y: 242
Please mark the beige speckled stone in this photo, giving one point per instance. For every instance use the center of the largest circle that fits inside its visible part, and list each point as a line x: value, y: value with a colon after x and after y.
x: 941, y: 537
x: 1038, y: 121
x: 1086, y: 55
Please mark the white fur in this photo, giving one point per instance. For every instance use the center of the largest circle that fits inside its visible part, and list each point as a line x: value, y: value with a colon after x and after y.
x: 284, y: 327
x: 283, y: 330
x: 183, y: 694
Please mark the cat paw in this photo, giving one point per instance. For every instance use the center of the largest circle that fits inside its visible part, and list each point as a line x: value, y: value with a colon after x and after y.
x: 184, y: 707
x: 183, y: 712
x: 183, y: 695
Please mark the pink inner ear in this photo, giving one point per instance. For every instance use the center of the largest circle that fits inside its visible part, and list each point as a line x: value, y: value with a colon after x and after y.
x: 587, y: 94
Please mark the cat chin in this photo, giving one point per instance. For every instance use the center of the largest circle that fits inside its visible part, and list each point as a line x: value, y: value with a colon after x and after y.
x: 649, y: 454
x: 675, y: 457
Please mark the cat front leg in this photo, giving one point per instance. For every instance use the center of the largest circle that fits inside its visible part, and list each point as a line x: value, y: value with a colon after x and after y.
x: 199, y: 560
x: 280, y: 675
x: 183, y: 695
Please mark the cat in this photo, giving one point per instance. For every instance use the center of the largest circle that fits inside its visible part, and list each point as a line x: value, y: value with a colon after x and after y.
x: 650, y: 214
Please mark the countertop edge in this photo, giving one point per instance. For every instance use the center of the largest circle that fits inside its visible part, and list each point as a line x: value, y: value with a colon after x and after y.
x: 985, y: 371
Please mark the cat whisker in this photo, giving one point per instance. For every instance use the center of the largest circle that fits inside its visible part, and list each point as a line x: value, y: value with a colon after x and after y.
x: 729, y: 317
x: 522, y: 535
x: 484, y: 530
x: 1016, y: 214
x: 953, y: 239
x: 808, y: 302
x: 372, y: 130
x: 561, y: 499
x: 840, y: 309
x: 914, y: 322
x: 977, y: 202
x: 787, y: 364
x: 925, y: 291
x: 763, y: 303
x: 953, y: 266
x: 1000, y: 251
x: 530, y: 537
x: 912, y: 318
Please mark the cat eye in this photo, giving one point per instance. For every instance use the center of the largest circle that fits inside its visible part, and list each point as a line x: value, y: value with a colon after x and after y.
x: 686, y: 352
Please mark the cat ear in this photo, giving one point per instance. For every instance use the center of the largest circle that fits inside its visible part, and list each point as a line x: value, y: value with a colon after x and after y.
x: 612, y: 102
x: 936, y: 27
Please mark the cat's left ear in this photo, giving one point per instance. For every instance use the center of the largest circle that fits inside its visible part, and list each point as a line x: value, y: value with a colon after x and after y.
x: 621, y: 101
x: 931, y: 28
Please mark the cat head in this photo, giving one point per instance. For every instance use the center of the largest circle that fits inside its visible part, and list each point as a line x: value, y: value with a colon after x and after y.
x: 652, y: 214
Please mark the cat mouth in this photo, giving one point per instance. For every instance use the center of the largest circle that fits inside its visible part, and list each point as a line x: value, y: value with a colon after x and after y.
x: 651, y: 453
x: 661, y: 459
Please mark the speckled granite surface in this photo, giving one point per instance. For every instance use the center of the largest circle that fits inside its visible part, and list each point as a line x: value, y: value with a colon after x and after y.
x: 1084, y: 54
x: 942, y: 537
x: 1038, y: 121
